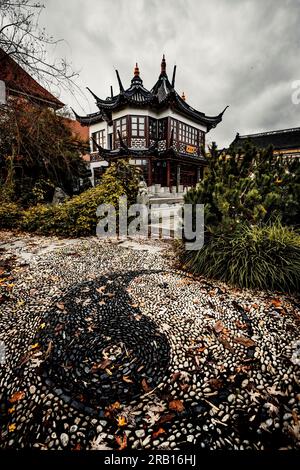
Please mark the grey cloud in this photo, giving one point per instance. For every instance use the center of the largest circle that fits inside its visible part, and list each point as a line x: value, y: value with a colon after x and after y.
x: 238, y: 52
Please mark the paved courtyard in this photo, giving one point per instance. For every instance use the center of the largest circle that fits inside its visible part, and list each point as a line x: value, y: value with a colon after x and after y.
x: 110, y: 346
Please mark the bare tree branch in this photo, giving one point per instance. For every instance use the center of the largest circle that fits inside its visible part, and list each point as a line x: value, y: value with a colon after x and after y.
x: 27, y: 43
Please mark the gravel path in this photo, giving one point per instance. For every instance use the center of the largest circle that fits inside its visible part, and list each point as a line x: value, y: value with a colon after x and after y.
x: 109, y: 346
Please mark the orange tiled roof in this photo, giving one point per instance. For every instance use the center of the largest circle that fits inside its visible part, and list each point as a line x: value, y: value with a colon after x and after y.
x: 17, y: 80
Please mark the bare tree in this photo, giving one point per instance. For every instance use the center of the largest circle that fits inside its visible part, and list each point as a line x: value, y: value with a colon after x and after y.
x: 25, y: 41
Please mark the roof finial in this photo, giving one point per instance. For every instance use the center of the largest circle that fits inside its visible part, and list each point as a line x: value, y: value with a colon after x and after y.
x: 119, y: 81
x: 183, y: 97
x: 174, y: 75
x: 163, y: 65
x: 136, y: 70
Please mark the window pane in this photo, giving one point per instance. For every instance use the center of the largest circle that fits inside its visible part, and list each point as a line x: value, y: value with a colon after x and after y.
x: 133, y: 119
x: 134, y: 132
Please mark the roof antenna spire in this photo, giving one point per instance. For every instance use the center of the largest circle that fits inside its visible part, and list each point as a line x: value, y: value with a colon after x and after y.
x: 136, y: 70
x: 119, y: 81
x: 163, y: 65
x: 111, y: 91
x: 174, y: 75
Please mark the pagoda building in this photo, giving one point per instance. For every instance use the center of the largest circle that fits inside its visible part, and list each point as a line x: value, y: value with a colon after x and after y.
x: 157, y: 130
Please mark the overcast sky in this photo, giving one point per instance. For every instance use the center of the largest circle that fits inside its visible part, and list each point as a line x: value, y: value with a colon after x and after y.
x: 242, y: 53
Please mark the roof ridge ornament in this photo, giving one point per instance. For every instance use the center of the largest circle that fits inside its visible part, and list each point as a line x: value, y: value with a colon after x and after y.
x: 136, y: 71
x: 183, y: 97
x: 163, y: 66
x: 119, y: 81
x: 174, y: 76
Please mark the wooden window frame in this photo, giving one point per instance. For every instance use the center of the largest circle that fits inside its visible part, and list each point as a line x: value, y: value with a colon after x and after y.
x: 100, y: 138
x: 139, y: 134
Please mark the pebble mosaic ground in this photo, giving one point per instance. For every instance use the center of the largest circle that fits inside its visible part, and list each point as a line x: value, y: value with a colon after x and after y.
x: 109, y: 346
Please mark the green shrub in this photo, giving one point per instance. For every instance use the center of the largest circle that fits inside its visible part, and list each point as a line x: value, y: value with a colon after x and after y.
x: 77, y: 216
x: 266, y: 258
x: 10, y: 214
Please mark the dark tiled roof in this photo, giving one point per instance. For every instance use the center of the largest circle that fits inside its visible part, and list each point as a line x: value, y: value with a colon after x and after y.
x: 162, y: 95
x: 19, y: 82
x: 280, y: 140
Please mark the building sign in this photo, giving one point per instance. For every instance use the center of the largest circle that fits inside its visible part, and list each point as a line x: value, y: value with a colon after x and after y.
x: 190, y: 149
x: 2, y: 93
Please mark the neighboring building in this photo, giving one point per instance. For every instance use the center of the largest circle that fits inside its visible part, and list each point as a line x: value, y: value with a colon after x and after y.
x: 156, y: 129
x: 16, y: 82
x: 285, y: 142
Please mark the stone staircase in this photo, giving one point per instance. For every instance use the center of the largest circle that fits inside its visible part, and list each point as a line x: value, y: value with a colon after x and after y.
x: 165, y: 212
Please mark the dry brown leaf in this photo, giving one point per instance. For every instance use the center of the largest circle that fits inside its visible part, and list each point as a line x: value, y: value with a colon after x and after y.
x: 216, y: 384
x: 196, y: 301
x: 166, y: 418
x: 122, y: 442
x: 242, y: 326
x: 184, y: 387
x: 60, y: 305
x: 101, y: 289
x: 247, y: 342
x: 176, y: 405
x: 17, y: 396
x: 101, y: 365
x: 121, y: 421
x: 127, y: 379
x: 225, y: 343
x: 218, y: 326
x: 276, y: 303
x: 77, y: 446
x: 145, y: 386
x: 159, y: 432
x: 111, y: 409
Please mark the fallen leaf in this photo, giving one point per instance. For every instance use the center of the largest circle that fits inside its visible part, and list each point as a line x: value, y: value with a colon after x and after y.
x: 98, y: 443
x: 152, y: 417
x: 122, y: 442
x: 60, y: 305
x: 42, y: 326
x: 101, y: 289
x: 127, y: 379
x: 196, y: 301
x: 218, y: 326
x: 112, y: 408
x: 17, y: 396
x: 273, y: 391
x: 34, y: 346
x: 110, y: 295
x: 145, y: 386
x: 295, y: 417
x: 101, y: 365
x: 176, y: 405
x: 121, y: 421
x: 159, y: 432
x: 11, y: 410
x: 242, y: 326
x: 216, y: 384
x: 247, y: 342
x: 11, y: 428
x: 166, y: 418
x: 276, y: 303
x: 254, y: 396
x: 225, y: 342
x: 77, y: 447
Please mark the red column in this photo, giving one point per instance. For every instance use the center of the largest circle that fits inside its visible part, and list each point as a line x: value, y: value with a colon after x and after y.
x: 168, y: 173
